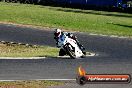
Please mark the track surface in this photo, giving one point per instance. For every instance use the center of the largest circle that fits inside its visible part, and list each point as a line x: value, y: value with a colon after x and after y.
x: 115, y: 56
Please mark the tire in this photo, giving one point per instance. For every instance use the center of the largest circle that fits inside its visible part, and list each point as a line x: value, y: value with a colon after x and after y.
x: 81, y: 80
x: 70, y: 52
x: 62, y: 52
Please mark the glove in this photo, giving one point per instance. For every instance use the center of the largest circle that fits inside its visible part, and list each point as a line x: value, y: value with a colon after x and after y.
x: 56, y: 38
x: 70, y: 34
x: 57, y: 45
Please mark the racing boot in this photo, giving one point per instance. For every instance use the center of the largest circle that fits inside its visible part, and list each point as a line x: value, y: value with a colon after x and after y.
x: 80, y: 45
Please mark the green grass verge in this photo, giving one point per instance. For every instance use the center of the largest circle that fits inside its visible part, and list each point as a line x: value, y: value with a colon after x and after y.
x: 24, y: 51
x: 29, y: 84
x: 100, y: 22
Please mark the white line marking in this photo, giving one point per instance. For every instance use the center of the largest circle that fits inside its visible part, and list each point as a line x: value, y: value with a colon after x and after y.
x: 22, y: 57
x: 57, y: 79
x: 114, y: 36
x: 91, y: 54
x: 92, y: 34
x: 103, y: 35
x: 122, y: 37
x: 40, y: 80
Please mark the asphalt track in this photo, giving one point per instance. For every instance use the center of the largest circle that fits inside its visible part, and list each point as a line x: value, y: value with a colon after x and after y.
x: 114, y: 57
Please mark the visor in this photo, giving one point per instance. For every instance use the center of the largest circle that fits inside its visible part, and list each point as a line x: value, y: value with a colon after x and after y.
x: 57, y: 34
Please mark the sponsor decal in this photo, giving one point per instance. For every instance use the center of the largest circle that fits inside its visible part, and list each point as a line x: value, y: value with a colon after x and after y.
x: 84, y: 78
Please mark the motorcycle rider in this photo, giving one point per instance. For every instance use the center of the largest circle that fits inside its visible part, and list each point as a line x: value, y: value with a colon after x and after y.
x: 58, y: 34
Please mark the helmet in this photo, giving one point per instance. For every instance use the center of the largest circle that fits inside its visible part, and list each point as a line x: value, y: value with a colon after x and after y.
x: 57, y: 32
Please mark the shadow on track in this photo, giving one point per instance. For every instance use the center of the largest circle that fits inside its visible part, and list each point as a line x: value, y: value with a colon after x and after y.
x: 92, y: 12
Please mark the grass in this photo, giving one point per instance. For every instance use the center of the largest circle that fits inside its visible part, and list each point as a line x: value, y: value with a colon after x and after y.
x: 29, y: 84
x: 24, y: 51
x: 90, y: 21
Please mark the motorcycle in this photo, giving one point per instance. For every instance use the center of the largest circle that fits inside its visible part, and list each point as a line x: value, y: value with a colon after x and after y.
x: 70, y: 47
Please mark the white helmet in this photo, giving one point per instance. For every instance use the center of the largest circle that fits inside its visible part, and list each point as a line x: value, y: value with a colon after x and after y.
x: 57, y: 32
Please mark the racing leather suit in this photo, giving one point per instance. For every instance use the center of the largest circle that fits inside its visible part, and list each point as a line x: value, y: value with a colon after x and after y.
x: 62, y: 37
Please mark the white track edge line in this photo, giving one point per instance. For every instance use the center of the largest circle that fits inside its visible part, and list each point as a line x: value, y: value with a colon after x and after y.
x: 39, y: 80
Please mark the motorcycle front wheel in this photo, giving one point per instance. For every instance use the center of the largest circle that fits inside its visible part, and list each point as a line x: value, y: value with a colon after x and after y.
x: 70, y: 51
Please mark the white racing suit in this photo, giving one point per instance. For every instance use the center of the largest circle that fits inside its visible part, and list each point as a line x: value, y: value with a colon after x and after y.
x: 62, y: 37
